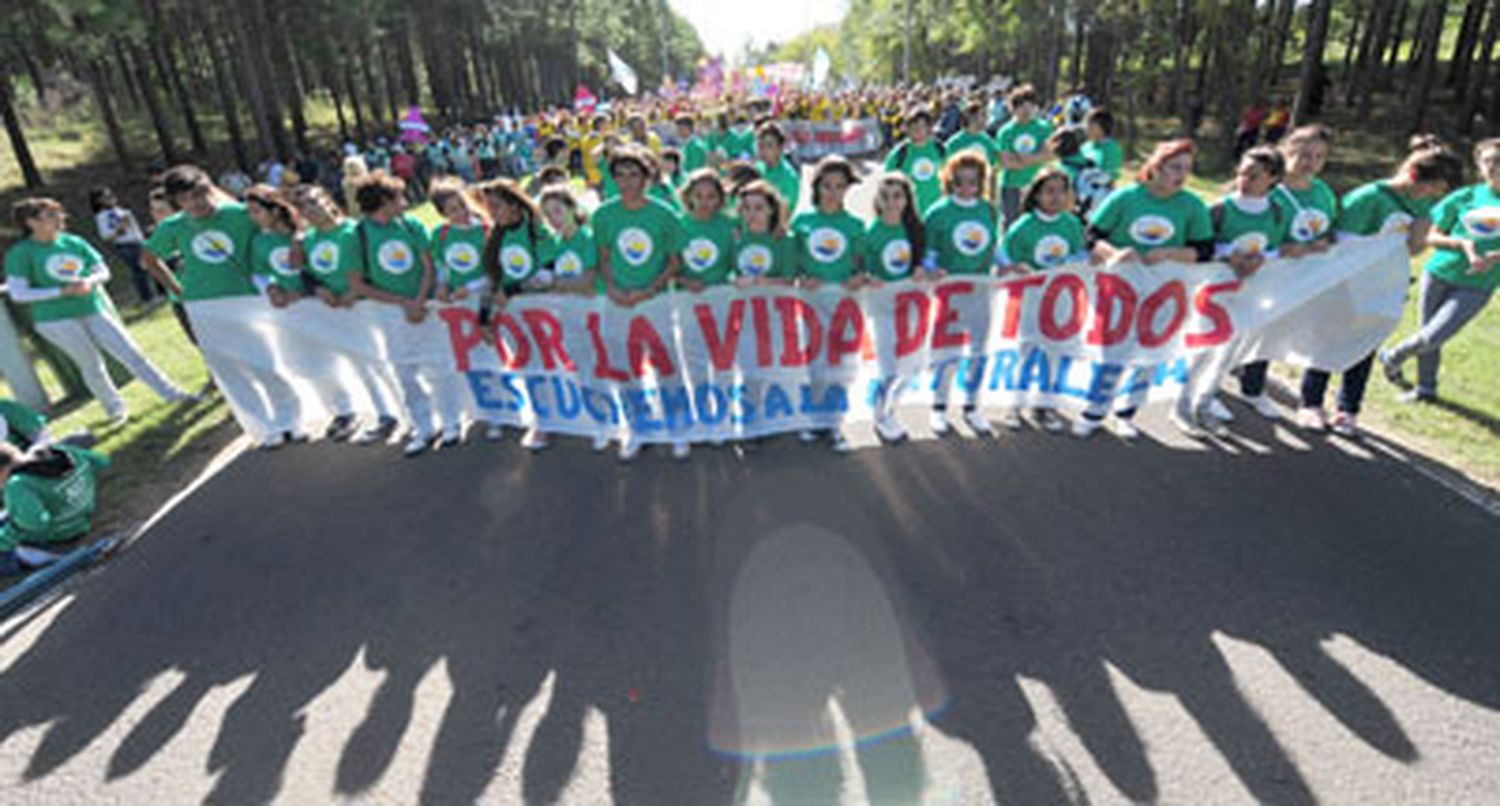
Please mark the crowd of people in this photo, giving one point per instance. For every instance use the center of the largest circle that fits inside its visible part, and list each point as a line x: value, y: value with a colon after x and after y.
x: 972, y: 184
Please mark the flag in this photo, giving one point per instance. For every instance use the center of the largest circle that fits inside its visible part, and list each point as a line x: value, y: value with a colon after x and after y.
x: 821, y: 64
x: 584, y: 101
x: 621, y: 72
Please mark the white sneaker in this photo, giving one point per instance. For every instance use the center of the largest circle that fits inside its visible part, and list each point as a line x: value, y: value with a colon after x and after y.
x: 1264, y: 407
x: 453, y: 434
x: 1125, y: 429
x: 807, y: 436
x: 1216, y: 407
x: 981, y: 424
x: 1083, y: 428
x: 890, y: 429
x: 533, y: 440
x: 937, y: 420
x: 273, y: 441
x: 630, y: 447
x: 1011, y: 418
x: 681, y: 451
x: 494, y: 432
x: 1312, y: 418
x: 838, y: 443
x: 1049, y: 420
x: 599, y: 443
x: 418, y: 442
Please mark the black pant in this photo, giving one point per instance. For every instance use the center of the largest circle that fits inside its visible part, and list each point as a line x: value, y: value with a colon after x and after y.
x: 1351, y: 390
x: 1253, y: 378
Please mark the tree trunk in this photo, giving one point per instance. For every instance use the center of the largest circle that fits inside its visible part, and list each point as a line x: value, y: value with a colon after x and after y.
x: 1281, y: 26
x: 1425, y: 70
x: 153, y: 105
x: 353, y: 92
x: 126, y: 74
x: 1357, y: 27
x: 217, y: 65
x: 1367, y: 63
x: 1398, y: 35
x: 161, y: 54
x: 1463, y: 50
x: 291, y: 84
x: 267, y: 124
x: 1310, y: 84
x: 107, y: 111
x: 1474, y: 94
x: 18, y: 145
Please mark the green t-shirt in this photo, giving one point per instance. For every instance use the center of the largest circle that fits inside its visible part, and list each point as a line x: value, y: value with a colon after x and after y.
x: 694, y: 154
x: 1312, y: 211
x: 965, y: 140
x: 1132, y: 217
x: 52, y: 510
x: 608, y: 190
x: 458, y: 252
x: 1472, y: 214
x: 739, y: 144
x: 961, y: 237
x: 708, y: 249
x: 663, y: 192
x: 215, y: 251
x: 271, y: 257
x: 521, y: 251
x: 1376, y: 209
x: 786, y: 180
x: 1106, y: 156
x: 393, y: 254
x: 22, y: 424
x: 66, y: 260
x: 1040, y: 241
x: 1025, y: 139
x: 921, y: 164
x: 332, y: 254
x: 764, y: 255
x: 888, y: 252
x: 638, y: 241
x: 571, y: 258
x: 1238, y: 231
x: 828, y: 244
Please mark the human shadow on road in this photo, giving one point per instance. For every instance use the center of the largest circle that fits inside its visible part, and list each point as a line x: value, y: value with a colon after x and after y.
x: 562, y: 591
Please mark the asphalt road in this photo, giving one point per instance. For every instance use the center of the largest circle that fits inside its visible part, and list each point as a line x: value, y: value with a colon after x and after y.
x: 1027, y: 619
x: 1024, y: 619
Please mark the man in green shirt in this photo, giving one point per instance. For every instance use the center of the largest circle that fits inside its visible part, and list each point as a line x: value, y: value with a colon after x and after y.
x: 49, y: 498
x: 638, y: 238
x: 1023, y: 149
x: 973, y: 135
x: 919, y: 158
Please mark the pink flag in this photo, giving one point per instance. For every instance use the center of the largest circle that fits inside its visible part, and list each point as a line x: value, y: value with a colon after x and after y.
x: 584, y: 101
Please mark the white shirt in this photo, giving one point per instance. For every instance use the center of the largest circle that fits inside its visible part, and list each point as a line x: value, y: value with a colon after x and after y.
x: 118, y: 225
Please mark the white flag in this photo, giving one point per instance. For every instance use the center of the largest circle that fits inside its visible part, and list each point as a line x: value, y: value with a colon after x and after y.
x: 821, y: 64
x: 621, y: 72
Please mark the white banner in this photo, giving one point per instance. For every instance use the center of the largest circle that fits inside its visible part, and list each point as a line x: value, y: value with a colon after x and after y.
x: 745, y: 362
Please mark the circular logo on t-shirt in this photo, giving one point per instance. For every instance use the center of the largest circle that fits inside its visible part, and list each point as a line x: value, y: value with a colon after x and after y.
x: 515, y: 261
x: 568, y: 265
x: 461, y: 257
x: 1309, y: 225
x: 396, y: 257
x: 324, y: 258
x: 826, y: 244
x: 1025, y: 143
x: 1251, y: 243
x: 1152, y: 230
x: 212, y: 246
x: 1397, y: 223
x: 635, y: 246
x: 755, y: 260
x: 971, y: 237
x: 700, y: 255
x: 65, y: 268
x: 923, y: 169
x: 896, y: 257
x: 1483, y: 222
x: 1050, y: 251
x: 281, y: 261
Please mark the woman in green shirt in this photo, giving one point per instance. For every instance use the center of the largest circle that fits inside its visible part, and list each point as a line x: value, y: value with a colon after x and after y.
x: 1155, y: 220
x: 60, y: 278
x: 771, y: 162
x: 272, y: 266
x: 708, y: 233
x: 764, y: 254
x: 1312, y: 205
x: 513, y: 255
x: 893, y: 242
x: 458, y: 244
x: 569, y: 250
x: 828, y: 236
x: 1402, y: 206
x: 1460, y: 276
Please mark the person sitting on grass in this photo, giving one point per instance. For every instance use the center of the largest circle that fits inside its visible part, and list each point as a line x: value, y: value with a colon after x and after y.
x: 49, y: 495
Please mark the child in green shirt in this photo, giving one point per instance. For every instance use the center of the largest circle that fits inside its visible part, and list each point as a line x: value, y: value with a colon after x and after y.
x: 708, y: 233
x: 894, y: 241
x: 1023, y: 149
x: 49, y: 494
